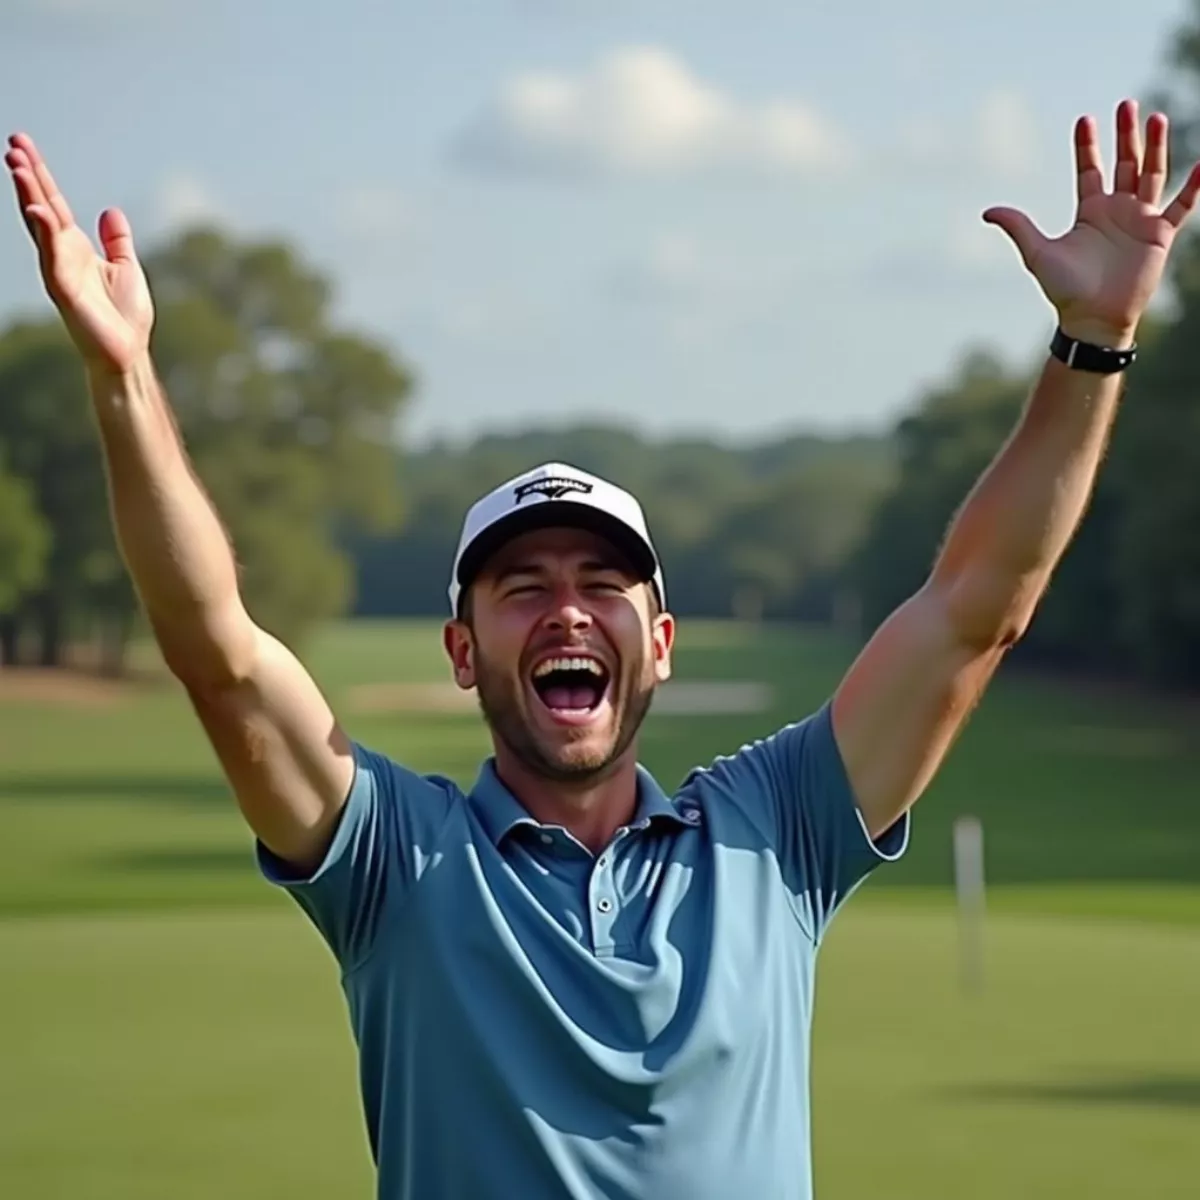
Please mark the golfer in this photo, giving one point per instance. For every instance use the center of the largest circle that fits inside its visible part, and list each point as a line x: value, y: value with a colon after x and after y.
x: 565, y: 982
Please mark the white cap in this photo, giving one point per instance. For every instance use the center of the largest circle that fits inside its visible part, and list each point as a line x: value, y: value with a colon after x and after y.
x: 553, y: 494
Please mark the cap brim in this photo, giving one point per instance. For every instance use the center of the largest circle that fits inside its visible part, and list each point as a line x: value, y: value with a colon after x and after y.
x: 552, y: 515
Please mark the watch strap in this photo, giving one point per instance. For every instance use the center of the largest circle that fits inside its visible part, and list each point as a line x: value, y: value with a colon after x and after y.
x: 1083, y: 356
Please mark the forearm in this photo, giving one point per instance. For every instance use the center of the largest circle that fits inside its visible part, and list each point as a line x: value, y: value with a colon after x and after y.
x: 1020, y: 517
x: 170, y: 536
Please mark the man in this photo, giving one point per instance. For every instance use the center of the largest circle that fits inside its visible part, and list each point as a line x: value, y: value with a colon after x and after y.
x: 567, y: 983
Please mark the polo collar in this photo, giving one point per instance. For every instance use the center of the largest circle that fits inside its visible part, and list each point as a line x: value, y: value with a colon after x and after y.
x: 500, y: 812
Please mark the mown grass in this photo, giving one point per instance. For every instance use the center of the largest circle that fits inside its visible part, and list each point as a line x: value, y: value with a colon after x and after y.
x: 172, y: 1026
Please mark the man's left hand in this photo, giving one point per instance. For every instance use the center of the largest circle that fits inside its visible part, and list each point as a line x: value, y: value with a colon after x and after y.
x: 1102, y: 273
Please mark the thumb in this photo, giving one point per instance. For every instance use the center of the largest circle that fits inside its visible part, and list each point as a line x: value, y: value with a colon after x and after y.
x: 116, y: 236
x: 1024, y: 234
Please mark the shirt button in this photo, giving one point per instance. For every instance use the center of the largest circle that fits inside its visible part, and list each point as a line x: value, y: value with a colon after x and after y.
x: 691, y: 816
x: 604, y: 904
x: 547, y: 839
x: 602, y: 861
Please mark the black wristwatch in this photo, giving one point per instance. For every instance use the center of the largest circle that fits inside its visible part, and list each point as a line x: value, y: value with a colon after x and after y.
x: 1083, y: 356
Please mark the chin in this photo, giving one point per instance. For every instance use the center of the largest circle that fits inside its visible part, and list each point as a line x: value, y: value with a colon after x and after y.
x: 581, y: 758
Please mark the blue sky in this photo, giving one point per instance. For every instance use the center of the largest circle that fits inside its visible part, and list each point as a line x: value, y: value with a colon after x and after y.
x: 693, y: 216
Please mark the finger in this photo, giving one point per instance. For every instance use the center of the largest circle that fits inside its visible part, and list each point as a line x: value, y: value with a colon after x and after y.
x: 1154, y: 164
x: 30, y: 199
x: 1024, y: 234
x: 116, y: 236
x: 1089, y: 169
x: 1181, y: 207
x: 29, y: 188
x: 53, y: 197
x: 1129, y: 148
x: 42, y: 225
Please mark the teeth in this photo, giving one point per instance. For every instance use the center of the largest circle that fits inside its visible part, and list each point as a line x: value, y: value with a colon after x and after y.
x: 568, y: 664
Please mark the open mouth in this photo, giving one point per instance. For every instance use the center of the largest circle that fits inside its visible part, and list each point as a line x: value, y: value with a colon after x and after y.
x: 572, y: 688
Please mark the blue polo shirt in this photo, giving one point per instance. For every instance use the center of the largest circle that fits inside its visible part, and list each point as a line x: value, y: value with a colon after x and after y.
x: 535, y: 1021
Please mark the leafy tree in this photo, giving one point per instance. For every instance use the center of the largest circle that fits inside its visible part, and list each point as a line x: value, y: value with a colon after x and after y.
x: 24, y: 542
x: 1157, y: 465
x: 291, y: 423
x: 49, y: 443
x: 942, y: 448
x: 724, y: 518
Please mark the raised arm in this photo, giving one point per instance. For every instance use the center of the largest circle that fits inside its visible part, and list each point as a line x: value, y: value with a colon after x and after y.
x: 288, y: 762
x: 909, y: 693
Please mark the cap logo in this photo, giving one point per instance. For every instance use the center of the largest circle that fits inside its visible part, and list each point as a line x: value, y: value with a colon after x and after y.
x: 553, y: 488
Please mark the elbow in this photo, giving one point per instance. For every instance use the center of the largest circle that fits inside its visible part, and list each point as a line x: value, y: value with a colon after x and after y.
x: 991, y: 618
x: 208, y: 653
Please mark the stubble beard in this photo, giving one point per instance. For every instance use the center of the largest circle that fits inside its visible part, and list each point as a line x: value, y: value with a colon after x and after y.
x: 500, y: 700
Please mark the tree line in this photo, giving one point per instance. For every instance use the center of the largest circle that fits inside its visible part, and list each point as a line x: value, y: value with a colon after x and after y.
x: 292, y: 424
x: 289, y: 420
x: 840, y: 531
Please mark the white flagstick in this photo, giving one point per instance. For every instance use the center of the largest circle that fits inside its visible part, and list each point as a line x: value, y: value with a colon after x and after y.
x: 969, y: 883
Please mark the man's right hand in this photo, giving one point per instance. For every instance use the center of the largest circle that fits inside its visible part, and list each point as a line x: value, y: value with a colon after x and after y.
x: 104, y: 300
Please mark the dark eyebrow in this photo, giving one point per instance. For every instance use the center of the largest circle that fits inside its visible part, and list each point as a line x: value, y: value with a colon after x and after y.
x: 614, y: 562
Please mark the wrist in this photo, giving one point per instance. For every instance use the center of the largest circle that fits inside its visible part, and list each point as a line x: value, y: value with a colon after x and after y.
x: 106, y: 378
x: 1098, y: 333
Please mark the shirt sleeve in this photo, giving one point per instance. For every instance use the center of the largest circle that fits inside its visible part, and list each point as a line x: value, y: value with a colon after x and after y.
x: 379, y: 849
x: 796, y: 786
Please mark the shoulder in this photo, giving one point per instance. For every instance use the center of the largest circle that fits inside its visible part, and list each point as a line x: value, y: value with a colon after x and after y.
x: 411, y: 797
x: 768, y: 760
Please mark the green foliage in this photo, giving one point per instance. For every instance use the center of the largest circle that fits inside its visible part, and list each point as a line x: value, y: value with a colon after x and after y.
x: 1157, y: 466
x: 942, y: 447
x: 24, y: 541
x: 290, y: 423
x: 765, y: 525
x: 49, y: 442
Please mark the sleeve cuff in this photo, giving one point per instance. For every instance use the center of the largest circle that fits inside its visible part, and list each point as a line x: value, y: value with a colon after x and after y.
x: 281, y: 873
x: 892, y: 843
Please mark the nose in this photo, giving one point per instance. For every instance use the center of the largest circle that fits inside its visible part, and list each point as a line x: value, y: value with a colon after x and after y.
x: 566, y: 614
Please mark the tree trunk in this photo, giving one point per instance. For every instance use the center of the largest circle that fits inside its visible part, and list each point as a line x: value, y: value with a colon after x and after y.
x: 10, y: 640
x: 115, y: 632
x: 50, y: 629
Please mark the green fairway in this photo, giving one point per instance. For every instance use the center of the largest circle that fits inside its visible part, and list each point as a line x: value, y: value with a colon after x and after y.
x: 197, y: 1056
x: 172, y: 1026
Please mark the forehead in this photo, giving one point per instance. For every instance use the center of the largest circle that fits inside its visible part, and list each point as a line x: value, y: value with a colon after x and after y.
x: 549, y: 547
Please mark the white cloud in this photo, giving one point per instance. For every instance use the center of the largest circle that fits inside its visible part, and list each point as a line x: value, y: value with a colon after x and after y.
x: 641, y: 111
x: 182, y: 199
x: 999, y: 138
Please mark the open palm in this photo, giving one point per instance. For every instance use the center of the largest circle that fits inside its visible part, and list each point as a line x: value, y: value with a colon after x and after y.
x: 104, y: 299
x: 1102, y: 273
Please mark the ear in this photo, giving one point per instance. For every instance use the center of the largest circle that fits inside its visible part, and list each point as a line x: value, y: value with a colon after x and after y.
x: 460, y: 649
x: 662, y: 636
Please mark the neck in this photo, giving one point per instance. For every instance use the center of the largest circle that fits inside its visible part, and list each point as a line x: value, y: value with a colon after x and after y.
x: 591, y: 811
